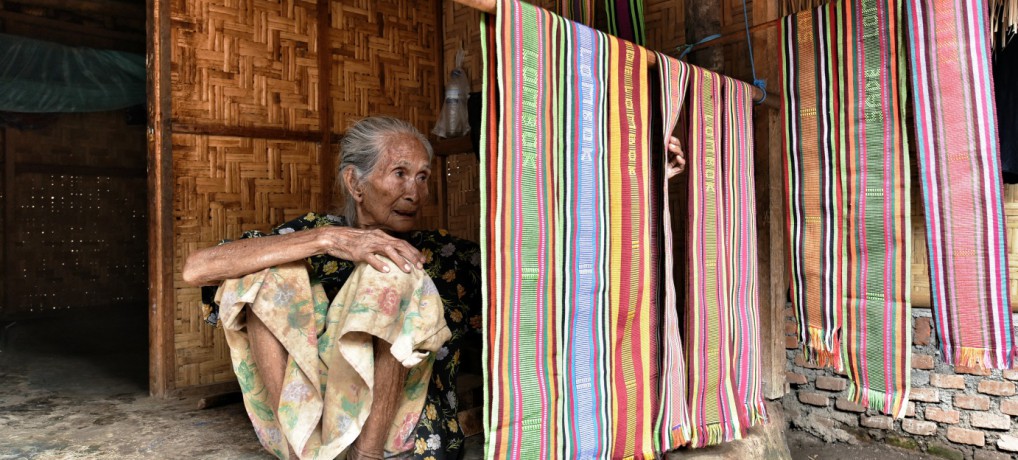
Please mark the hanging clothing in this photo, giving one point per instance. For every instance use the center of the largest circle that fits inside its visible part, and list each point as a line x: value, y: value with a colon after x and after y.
x: 960, y: 171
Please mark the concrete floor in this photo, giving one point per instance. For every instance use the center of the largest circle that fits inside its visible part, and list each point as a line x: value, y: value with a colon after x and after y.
x: 75, y: 386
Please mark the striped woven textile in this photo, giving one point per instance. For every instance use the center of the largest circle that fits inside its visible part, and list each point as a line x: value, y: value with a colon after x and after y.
x: 625, y: 20
x: 877, y: 335
x: 571, y: 342
x: 586, y: 364
x: 673, y: 416
x: 632, y: 314
x: 959, y: 161
x: 740, y: 225
x: 713, y: 402
x: 813, y: 186
x: 523, y: 305
x: 857, y: 47
x: 581, y: 11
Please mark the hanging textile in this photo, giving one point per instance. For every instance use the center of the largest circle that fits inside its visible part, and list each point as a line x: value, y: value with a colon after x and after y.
x: 712, y: 398
x: 587, y: 364
x: 858, y: 116
x: 877, y: 321
x: 959, y: 164
x: 673, y: 417
x: 522, y: 301
x: 625, y: 20
x: 813, y: 186
x: 740, y: 226
x: 581, y: 11
x: 632, y: 313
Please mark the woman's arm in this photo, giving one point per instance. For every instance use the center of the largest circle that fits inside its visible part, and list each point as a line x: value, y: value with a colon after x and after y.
x: 239, y: 258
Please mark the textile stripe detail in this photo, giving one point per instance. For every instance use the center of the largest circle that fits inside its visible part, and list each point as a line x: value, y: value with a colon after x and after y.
x: 877, y: 337
x: 585, y: 384
x: 959, y: 159
x: 740, y: 225
x: 813, y: 187
x: 673, y: 417
x: 625, y: 20
x: 634, y: 367
x: 712, y: 400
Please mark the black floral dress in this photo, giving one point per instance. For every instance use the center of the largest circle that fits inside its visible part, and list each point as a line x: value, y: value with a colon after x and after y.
x: 454, y: 264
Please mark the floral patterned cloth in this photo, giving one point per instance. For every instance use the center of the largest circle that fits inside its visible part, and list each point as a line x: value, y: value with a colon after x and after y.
x: 327, y: 388
x: 453, y: 264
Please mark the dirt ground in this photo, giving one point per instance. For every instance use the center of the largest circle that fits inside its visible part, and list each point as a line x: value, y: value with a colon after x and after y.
x: 75, y: 387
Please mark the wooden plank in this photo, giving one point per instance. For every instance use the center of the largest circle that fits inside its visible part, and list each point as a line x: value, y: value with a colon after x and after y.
x: 160, y: 191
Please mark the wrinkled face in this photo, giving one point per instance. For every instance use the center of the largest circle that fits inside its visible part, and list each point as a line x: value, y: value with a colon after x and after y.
x: 392, y: 195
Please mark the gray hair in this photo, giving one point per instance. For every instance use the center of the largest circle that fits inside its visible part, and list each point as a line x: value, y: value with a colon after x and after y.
x: 362, y: 146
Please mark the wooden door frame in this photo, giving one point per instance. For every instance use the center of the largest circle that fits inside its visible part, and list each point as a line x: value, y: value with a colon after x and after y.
x: 160, y: 192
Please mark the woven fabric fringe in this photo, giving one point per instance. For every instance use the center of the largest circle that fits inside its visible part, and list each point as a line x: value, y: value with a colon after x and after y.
x: 673, y: 418
x: 959, y: 159
x: 740, y: 225
x: 713, y: 401
x: 856, y: 108
x: 813, y: 187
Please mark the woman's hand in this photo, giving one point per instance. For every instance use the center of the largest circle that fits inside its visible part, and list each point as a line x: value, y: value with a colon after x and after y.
x: 359, y: 245
x: 676, y: 158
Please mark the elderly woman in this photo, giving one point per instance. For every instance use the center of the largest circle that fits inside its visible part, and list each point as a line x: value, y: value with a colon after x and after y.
x: 384, y: 171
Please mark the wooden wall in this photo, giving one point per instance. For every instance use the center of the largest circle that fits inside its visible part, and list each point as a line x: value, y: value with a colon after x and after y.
x: 72, y: 191
x: 253, y: 98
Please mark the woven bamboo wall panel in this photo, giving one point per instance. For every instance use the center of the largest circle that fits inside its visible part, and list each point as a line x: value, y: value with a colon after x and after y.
x: 463, y: 198
x: 99, y: 139
x: 385, y: 57
x: 666, y: 24
x: 246, y: 64
x: 223, y: 187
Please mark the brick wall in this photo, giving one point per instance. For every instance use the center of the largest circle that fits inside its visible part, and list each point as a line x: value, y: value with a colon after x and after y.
x: 953, y: 412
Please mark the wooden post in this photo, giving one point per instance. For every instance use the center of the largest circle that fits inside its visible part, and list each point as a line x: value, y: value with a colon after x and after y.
x: 162, y: 373
x: 773, y: 278
x: 703, y: 18
x: 327, y: 167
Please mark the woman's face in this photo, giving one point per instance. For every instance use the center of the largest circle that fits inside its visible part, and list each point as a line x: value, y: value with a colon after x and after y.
x: 392, y: 195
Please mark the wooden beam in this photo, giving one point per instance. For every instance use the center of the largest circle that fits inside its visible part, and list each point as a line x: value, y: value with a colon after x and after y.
x: 703, y: 19
x: 162, y: 369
